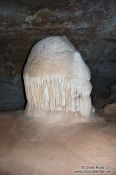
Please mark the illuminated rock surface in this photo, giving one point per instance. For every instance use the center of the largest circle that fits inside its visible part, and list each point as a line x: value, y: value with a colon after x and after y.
x: 56, y: 78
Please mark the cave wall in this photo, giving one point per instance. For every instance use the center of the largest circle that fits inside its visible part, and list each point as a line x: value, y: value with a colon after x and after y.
x: 90, y: 25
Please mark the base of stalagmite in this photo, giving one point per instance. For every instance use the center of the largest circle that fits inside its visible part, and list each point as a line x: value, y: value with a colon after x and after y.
x: 55, y: 117
x: 54, y: 93
x: 31, y: 146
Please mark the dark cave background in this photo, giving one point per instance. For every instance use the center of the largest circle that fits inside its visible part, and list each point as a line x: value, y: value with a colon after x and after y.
x: 89, y: 25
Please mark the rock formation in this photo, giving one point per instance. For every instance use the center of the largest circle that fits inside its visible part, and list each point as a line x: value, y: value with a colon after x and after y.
x: 56, y: 78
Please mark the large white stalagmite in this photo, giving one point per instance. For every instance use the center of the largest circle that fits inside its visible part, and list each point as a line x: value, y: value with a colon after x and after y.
x: 57, y: 79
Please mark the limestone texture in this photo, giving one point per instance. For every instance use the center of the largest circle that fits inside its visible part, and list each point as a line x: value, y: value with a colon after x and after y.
x: 56, y: 78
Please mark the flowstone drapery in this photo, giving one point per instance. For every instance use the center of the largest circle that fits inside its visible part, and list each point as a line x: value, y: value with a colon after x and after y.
x: 56, y: 78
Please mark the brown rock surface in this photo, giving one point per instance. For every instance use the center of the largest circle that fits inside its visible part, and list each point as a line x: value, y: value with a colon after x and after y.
x: 110, y: 112
x: 36, y: 146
